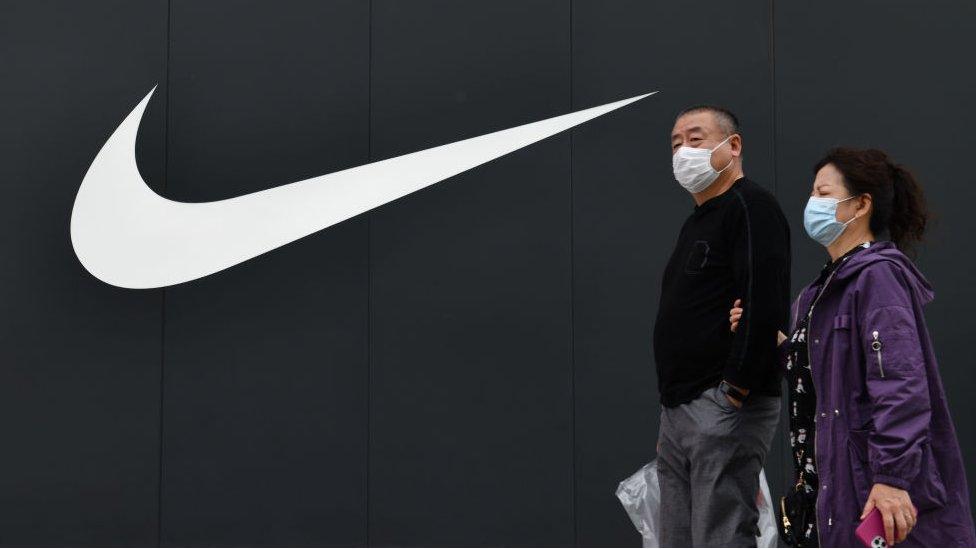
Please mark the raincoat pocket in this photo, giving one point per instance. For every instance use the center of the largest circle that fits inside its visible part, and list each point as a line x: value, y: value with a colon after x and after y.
x: 928, y: 491
x: 857, y: 450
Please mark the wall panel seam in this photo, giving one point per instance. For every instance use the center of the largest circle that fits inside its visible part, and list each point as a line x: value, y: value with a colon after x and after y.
x: 369, y: 273
x: 786, y: 471
x: 162, y: 312
x: 572, y: 297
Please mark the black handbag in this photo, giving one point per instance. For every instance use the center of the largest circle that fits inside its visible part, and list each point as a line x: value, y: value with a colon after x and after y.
x: 798, y: 517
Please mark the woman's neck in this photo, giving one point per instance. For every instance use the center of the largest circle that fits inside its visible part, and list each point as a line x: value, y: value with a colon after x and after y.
x: 856, y: 233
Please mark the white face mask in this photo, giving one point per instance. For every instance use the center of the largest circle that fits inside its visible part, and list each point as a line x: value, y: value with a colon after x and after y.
x: 693, y: 167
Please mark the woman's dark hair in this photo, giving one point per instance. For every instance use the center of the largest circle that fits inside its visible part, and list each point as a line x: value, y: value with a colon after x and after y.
x: 899, y: 209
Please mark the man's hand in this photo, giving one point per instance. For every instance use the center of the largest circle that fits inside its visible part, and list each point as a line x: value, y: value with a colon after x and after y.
x: 897, y: 512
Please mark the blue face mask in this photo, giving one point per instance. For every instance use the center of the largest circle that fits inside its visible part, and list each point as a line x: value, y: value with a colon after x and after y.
x: 820, y: 219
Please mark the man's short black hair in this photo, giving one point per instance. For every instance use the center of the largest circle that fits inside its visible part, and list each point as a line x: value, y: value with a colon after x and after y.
x: 727, y: 120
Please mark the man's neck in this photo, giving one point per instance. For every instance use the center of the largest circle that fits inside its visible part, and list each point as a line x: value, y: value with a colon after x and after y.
x: 719, y: 186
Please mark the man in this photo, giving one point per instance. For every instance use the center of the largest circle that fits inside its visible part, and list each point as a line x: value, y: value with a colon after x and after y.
x: 720, y: 391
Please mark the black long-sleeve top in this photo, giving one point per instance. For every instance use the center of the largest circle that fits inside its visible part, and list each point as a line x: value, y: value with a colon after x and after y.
x: 733, y: 246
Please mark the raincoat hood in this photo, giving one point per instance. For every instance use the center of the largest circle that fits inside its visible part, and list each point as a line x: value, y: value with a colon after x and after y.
x: 887, y: 251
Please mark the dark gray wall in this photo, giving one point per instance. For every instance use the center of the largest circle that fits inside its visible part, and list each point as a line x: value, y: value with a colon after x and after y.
x: 79, y: 360
x: 470, y: 359
x: 265, y: 387
x: 469, y: 365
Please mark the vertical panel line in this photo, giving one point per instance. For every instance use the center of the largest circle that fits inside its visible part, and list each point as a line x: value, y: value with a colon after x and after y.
x: 369, y: 273
x: 572, y: 296
x: 162, y: 307
x: 772, y: 71
x: 786, y: 473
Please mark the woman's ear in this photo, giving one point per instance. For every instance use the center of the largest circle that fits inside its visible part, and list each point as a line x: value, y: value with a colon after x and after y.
x: 864, y: 205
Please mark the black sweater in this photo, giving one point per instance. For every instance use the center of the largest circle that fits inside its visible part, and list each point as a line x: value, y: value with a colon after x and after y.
x: 733, y: 246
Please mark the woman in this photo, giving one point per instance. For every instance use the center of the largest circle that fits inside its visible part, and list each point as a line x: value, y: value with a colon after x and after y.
x: 869, y: 425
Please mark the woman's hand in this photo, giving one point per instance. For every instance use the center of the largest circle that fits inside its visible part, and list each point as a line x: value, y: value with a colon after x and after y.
x: 735, y: 314
x: 897, y: 512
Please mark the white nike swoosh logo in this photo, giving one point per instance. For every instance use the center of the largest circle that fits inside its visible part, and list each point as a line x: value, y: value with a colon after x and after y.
x: 128, y: 236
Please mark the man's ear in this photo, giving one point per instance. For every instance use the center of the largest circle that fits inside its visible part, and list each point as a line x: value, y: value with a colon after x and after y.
x: 735, y: 142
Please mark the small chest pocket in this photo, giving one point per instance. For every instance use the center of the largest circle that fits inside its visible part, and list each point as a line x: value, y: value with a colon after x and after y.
x: 842, y: 345
x: 842, y: 322
x: 697, y: 258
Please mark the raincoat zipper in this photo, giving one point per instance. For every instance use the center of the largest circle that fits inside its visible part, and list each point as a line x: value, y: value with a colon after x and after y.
x: 876, y: 347
x: 816, y: 437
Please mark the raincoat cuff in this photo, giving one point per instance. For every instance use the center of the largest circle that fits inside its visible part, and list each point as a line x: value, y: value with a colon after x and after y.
x: 892, y: 481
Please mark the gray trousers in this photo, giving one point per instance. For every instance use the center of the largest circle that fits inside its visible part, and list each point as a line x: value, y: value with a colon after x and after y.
x: 708, y: 466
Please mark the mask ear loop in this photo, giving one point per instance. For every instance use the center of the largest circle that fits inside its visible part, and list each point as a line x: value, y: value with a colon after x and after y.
x: 731, y: 160
x: 851, y: 220
x: 724, y: 141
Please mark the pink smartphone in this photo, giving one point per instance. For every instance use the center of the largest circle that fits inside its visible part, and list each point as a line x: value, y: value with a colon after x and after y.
x: 871, y: 530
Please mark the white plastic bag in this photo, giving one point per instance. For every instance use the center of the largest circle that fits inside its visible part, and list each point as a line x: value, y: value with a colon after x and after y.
x: 641, y: 497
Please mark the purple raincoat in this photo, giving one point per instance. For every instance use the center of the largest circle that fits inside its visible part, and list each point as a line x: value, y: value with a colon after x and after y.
x: 881, y: 410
